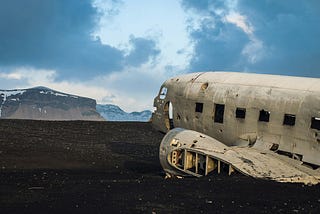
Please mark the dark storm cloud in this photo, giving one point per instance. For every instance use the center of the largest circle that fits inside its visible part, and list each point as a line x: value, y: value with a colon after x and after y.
x: 291, y: 30
x: 142, y: 51
x: 56, y: 34
x: 288, y: 30
x: 217, y: 48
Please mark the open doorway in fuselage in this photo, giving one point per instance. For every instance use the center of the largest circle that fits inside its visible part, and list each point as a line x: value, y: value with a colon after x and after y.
x: 168, y: 111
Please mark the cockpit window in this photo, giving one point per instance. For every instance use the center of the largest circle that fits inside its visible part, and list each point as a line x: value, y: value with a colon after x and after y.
x: 163, y: 93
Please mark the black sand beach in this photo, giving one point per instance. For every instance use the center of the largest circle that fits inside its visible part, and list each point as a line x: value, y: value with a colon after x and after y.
x: 113, y: 167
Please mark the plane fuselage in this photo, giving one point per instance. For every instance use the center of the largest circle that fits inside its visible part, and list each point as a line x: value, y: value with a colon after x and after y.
x: 239, y: 109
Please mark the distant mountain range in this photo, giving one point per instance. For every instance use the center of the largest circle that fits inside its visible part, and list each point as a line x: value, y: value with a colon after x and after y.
x: 41, y: 103
x: 115, y: 113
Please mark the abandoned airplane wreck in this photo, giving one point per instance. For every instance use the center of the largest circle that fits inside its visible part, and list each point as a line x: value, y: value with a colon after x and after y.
x: 264, y: 126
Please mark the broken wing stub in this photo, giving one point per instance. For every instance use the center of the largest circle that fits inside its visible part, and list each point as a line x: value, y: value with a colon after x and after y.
x: 190, y: 153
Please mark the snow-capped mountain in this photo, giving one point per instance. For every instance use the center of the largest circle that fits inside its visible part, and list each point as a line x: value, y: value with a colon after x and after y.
x: 41, y: 103
x: 115, y: 113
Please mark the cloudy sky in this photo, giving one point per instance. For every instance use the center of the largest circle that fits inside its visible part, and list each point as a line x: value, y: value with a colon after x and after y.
x: 120, y: 51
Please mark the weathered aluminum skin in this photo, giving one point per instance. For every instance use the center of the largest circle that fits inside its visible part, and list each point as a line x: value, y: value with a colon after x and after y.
x: 278, y: 95
x: 252, y: 161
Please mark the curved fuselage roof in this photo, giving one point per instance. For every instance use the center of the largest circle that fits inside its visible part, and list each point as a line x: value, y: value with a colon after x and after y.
x: 250, y: 79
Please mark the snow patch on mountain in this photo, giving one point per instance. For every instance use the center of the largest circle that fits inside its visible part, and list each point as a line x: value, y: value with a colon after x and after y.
x: 115, y: 113
x: 6, y: 94
x: 57, y: 94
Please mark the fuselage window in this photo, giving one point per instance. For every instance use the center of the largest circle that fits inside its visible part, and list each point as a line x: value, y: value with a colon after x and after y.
x: 218, y: 113
x: 163, y: 93
x: 315, y: 123
x: 199, y: 107
x: 264, y: 116
x: 289, y: 120
x: 241, y: 113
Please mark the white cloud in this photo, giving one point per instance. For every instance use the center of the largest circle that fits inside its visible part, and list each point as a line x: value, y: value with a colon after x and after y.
x: 163, y: 21
x: 33, y: 75
x: 11, y: 76
x: 133, y: 89
x: 254, y: 50
x: 23, y: 77
x: 240, y: 21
